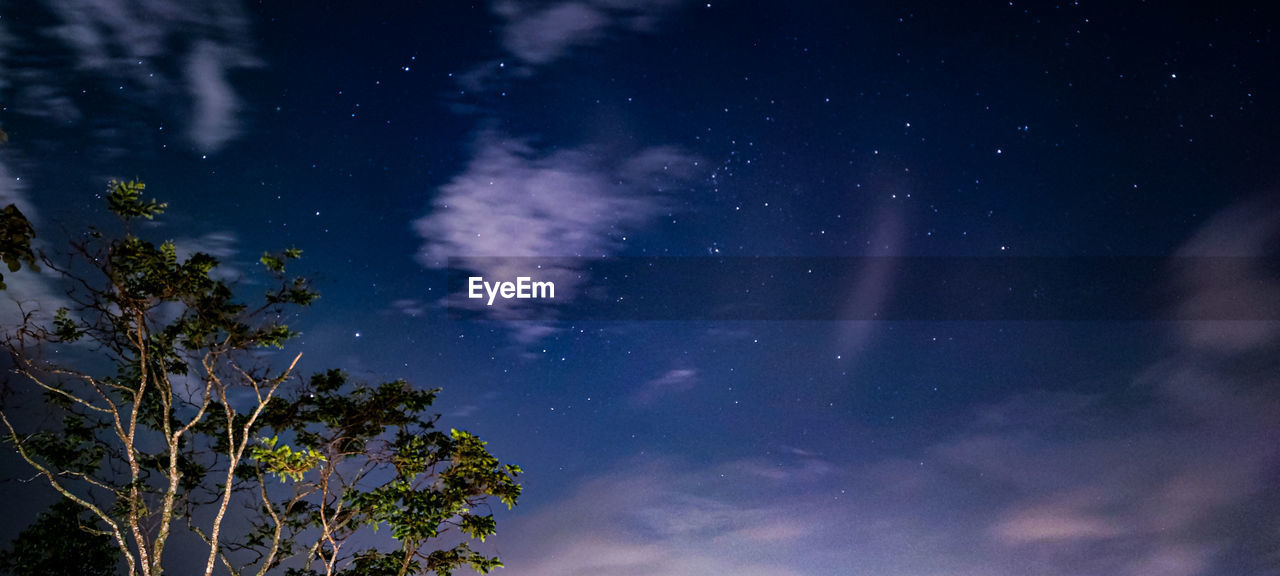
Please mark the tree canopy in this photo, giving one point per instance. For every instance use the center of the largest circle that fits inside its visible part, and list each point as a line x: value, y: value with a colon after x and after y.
x: 171, y: 414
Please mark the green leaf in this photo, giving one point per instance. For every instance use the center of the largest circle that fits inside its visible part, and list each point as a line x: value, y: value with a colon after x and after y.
x: 124, y: 199
x: 65, y: 328
x: 272, y: 262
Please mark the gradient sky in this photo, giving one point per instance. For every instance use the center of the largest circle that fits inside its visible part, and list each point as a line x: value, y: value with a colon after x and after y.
x: 385, y: 139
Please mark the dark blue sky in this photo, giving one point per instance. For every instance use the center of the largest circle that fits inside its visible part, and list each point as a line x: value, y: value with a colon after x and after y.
x: 385, y: 140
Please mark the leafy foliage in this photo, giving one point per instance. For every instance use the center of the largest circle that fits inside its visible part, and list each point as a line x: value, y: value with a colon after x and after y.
x: 16, y: 234
x: 283, y: 461
x: 421, y: 482
x: 64, y: 541
x: 190, y: 418
x: 125, y: 201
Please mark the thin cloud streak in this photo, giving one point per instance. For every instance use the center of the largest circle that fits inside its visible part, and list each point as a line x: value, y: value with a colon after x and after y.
x: 673, y: 382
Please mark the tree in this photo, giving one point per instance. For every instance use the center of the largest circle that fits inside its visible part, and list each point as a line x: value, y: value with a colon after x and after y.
x: 16, y: 234
x: 173, y: 413
x: 64, y: 541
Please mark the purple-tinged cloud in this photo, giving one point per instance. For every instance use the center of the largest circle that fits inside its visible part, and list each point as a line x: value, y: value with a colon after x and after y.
x: 1180, y: 482
x: 512, y: 201
x: 1231, y: 240
x: 649, y: 518
x: 539, y: 33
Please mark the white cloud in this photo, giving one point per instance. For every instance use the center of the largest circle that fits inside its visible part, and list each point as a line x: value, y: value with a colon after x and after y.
x: 539, y: 33
x: 27, y: 292
x: 410, y: 306
x: 215, y: 102
x: 671, y: 383
x: 220, y: 245
x: 512, y: 201
x: 539, y: 36
x: 13, y: 192
x: 152, y: 53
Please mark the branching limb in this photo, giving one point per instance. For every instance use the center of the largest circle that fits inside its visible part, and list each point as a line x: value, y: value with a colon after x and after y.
x: 116, y: 534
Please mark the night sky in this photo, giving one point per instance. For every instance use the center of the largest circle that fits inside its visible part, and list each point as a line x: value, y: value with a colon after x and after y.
x: 392, y: 140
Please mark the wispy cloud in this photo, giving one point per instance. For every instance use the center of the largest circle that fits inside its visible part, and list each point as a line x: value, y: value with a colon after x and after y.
x: 650, y: 518
x: 12, y: 191
x: 1055, y: 522
x: 514, y: 201
x: 155, y: 53
x: 220, y: 245
x: 409, y: 306
x: 214, y: 101
x: 27, y: 292
x: 539, y: 33
x: 1179, y: 483
x: 1233, y: 237
x: 671, y: 383
x: 5, y: 39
